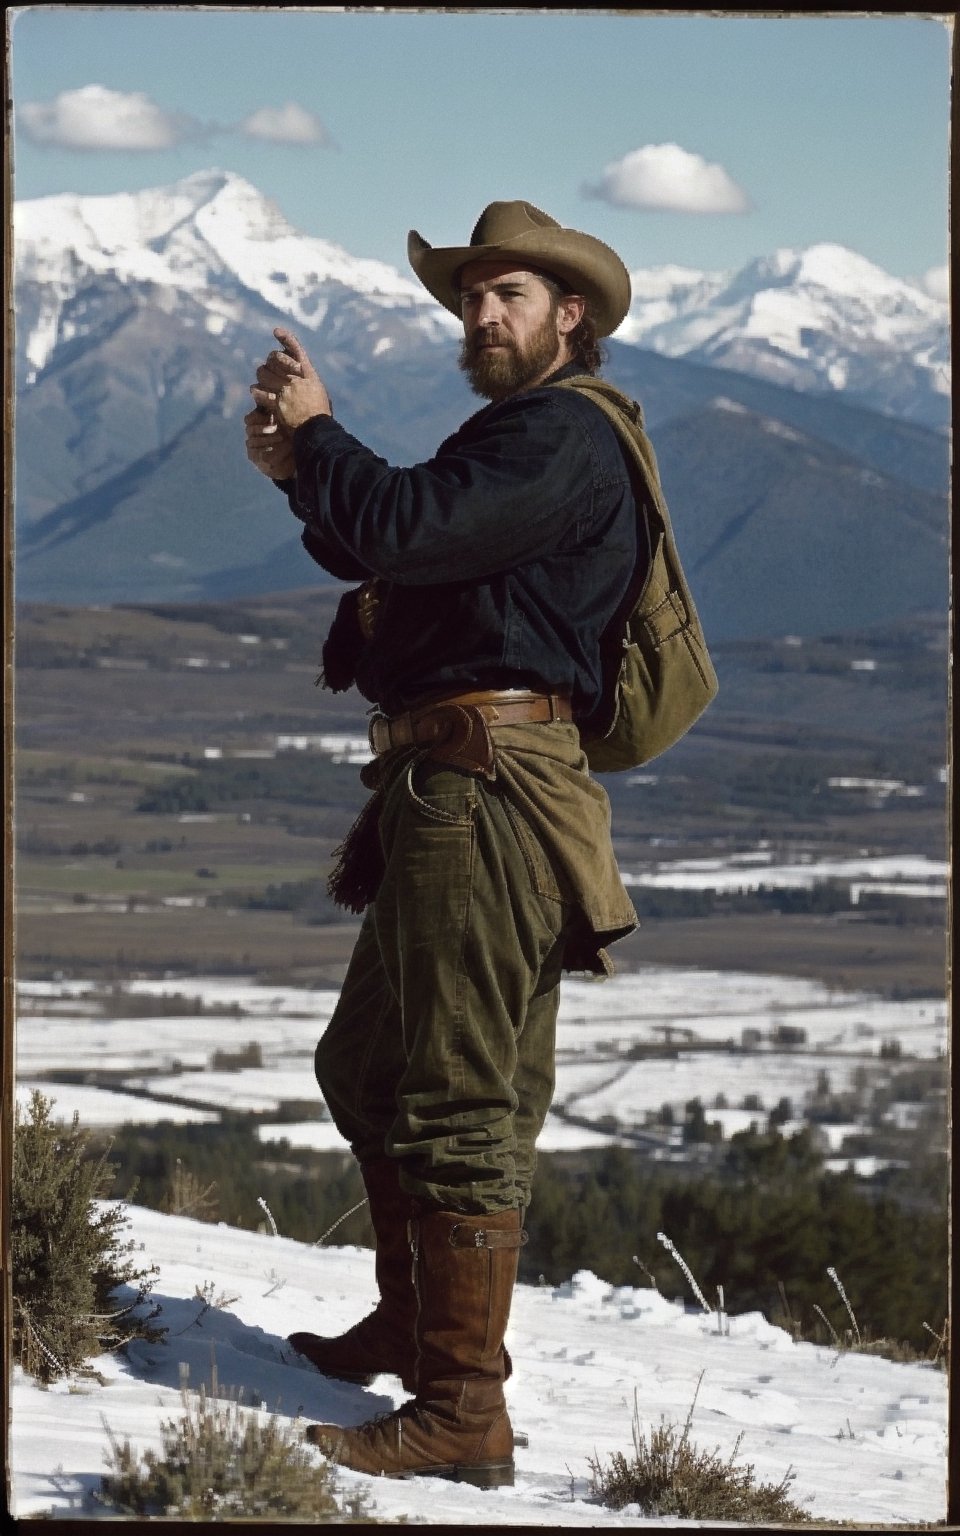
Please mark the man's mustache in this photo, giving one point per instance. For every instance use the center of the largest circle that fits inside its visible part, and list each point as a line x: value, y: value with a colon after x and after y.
x: 489, y: 337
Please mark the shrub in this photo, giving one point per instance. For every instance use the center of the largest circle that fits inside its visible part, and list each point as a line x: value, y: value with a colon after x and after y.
x: 189, y: 1196
x: 250, y: 1055
x: 669, y: 1475
x: 67, y: 1255
x: 221, y: 1462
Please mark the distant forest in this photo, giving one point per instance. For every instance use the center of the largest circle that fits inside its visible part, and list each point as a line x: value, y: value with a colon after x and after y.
x: 764, y: 1223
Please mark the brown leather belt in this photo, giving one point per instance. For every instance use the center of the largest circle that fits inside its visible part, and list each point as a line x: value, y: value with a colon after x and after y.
x: 456, y: 730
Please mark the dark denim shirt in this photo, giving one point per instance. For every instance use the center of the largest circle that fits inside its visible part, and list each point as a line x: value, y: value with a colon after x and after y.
x: 505, y: 560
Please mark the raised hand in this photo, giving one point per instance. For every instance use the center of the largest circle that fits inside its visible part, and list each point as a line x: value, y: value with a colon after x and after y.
x: 269, y: 448
x: 288, y: 385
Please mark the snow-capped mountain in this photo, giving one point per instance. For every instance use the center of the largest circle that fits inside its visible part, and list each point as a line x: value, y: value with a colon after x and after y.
x: 819, y: 319
x: 823, y: 319
x: 138, y: 315
x: 141, y: 318
x: 212, y: 237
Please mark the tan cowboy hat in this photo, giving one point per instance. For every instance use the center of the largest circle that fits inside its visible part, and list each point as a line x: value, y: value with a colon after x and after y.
x: 519, y: 231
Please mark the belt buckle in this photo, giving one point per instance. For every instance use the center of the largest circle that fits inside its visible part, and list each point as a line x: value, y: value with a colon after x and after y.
x: 378, y: 721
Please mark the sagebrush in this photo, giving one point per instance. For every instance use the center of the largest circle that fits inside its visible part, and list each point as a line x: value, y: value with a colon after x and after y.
x: 67, y: 1253
x: 671, y: 1476
x: 223, y: 1462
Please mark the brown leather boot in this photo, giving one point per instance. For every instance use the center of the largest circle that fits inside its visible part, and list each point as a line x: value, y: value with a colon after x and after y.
x: 457, y: 1425
x: 382, y: 1343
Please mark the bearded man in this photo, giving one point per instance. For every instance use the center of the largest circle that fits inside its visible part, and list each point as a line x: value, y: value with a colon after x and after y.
x: 487, y: 631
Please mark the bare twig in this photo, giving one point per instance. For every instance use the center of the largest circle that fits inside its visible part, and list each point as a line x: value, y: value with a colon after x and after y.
x: 844, y: 1298
x: 338, y: 1221
x: 664, y: 1239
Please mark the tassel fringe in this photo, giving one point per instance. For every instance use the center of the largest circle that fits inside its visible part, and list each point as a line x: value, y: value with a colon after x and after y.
x: 355, y: 878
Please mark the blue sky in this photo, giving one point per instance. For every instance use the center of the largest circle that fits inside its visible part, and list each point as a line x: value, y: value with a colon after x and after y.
x: 767, y: 132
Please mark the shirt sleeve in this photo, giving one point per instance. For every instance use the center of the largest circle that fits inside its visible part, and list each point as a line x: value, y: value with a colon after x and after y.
x: 501, y: 491
x: 333, y: 559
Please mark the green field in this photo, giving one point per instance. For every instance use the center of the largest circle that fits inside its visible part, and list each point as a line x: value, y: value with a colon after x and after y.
x: 36, y: 766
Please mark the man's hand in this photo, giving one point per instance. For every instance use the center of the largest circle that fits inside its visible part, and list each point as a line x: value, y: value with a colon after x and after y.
x: 269, y: 447
x: 289, y: 386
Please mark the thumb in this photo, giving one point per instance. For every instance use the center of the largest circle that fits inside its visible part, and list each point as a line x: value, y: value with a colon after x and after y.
x: 291, y: 345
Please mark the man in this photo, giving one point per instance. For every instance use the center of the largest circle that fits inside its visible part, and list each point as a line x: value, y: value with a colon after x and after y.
x: 487, y: 631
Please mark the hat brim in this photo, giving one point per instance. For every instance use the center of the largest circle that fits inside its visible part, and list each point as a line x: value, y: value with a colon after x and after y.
x: 586, y: 265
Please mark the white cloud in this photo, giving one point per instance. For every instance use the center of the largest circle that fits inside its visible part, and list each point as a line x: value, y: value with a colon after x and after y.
x: 289, y: 124
x: 936, y: 282
x: 95, y: 117
x: 666, y: 177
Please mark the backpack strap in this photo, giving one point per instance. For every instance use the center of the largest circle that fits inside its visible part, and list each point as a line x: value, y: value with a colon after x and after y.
x: 664, y: 677
x: 626, y: 418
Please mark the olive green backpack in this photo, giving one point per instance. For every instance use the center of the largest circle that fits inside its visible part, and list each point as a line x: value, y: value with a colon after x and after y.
x: 666, y: 678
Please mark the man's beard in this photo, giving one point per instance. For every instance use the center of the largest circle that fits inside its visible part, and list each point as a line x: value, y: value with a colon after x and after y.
x: 495, y: 374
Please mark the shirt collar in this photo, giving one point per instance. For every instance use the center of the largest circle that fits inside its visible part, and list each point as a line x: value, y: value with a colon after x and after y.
x: 565, y: 371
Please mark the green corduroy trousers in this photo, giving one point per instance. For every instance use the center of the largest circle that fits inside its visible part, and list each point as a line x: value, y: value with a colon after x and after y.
x: 440, y: 1051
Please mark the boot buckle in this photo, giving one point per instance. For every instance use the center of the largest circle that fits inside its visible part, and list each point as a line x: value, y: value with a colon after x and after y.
x: 484, y: 1239
x: 475, y: 1239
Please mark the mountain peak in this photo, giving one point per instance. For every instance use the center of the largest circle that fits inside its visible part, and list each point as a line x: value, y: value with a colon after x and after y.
x: 815, y: 318
x: 212, y: 177
x: 204, y: 188
x: 207, y: 183
x: 836, y: 267
x: 212, y: 237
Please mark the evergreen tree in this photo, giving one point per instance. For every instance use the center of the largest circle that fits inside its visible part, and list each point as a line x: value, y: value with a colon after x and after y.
x: 67, y: 1254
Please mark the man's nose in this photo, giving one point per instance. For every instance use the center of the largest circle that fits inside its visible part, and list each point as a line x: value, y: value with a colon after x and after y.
x: 490, y: 310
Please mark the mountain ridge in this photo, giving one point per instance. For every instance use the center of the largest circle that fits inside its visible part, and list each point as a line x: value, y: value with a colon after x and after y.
x: 142, y: 317
x: 155, y: 529
x: 822, y: 316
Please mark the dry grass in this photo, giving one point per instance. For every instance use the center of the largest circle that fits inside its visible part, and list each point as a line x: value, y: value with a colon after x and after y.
x: 671, y: 1476
x: 221, y: 1462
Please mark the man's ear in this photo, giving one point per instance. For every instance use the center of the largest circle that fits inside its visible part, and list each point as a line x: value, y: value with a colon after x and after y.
x: 570, y: 311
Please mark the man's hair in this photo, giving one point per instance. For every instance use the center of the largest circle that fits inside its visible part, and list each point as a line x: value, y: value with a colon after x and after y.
x: 584, y: 345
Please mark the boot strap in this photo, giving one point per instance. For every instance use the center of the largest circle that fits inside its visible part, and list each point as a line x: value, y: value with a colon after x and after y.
x: 465, y: 1236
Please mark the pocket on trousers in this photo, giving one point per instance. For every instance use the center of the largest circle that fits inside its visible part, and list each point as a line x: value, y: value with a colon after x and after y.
x: 442, y: 794
x: 543, y: 879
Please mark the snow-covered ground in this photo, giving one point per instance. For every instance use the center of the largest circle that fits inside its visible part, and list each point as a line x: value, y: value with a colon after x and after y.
x: 908, y: 874
x: 865, y: 1437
